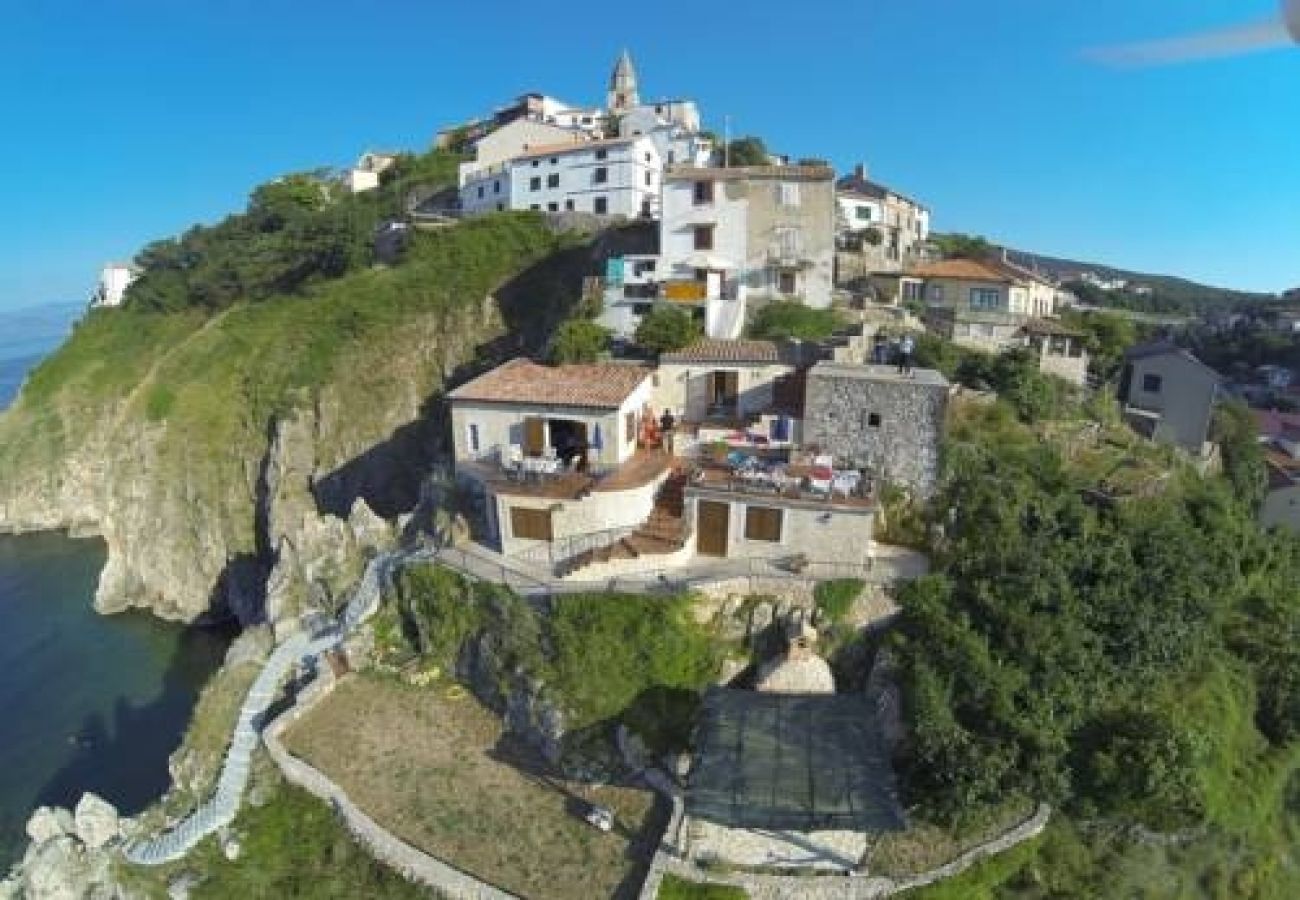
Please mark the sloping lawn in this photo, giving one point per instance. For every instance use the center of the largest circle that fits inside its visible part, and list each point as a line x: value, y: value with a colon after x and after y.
x: 433, y: 766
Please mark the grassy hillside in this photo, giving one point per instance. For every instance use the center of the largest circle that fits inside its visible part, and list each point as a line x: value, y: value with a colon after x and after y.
x: 154, y: 421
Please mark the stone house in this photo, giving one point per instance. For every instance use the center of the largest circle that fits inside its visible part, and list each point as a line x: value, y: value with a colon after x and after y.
x: 1169, y: 395
x: 871, y: 416
x: 862, y: 205
x: 730, y: 237
x: 986, y: 285
x: 1060, y: 351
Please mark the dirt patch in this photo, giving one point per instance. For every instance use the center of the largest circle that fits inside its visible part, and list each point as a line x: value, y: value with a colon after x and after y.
x: 433, y: 766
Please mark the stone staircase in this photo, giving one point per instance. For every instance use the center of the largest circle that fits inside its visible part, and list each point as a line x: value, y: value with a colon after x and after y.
x: 662, y: 533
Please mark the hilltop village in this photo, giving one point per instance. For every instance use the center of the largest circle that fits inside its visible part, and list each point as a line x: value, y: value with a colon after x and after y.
x: 765, y: 545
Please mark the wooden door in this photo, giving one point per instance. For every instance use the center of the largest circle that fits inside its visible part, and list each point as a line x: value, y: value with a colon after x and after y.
x: 534, y: 436
x: 712, y: 522
x: 724, y: 387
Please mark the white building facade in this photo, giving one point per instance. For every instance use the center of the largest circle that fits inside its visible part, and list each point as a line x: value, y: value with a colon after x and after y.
x: 617, y: 177
x: 114, y: 279
x: 731, y: 236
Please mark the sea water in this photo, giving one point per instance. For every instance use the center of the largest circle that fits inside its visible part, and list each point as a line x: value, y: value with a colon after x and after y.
x: 87, y: 702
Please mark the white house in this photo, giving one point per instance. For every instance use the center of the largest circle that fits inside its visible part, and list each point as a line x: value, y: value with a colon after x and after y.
x: 364, y: 176
x: 495, y: 149
x: 613, y: 177
x: 114, y: 279
x: 863, y: 204
x: 729, y: 236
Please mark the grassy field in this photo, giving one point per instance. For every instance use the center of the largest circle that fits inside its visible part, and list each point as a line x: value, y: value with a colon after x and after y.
x: 434, y: 767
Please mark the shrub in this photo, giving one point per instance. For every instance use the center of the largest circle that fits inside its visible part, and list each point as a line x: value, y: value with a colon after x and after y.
x: 790, y: 319
x: 578, y: 341
x: 674, y: 888
x: 667, y: 328
x: 835, y: 598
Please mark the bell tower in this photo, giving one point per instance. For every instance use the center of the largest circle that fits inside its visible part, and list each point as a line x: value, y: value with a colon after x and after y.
x: 622, y: 86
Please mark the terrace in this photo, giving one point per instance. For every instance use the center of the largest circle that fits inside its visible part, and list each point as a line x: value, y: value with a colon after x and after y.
x: 548, y: 478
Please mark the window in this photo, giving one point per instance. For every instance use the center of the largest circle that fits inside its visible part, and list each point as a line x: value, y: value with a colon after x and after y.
x: 480, y: 191
x: 647, y: 157
x: 600, y: 175
x: 602, y: 154
x: 763, y: 523
x: 552, y: 207
x: 703, y: 192
x: 671, y: 157
x: 530, y: 524
x: 553, y: 180
x: 862, y: 213
x: 985, y: 298
x: 501, y: 207
x: 789, y: 242
x: 600, y: 206
x: 496, y: 187
x: 1152, y: 383
x: 873, y: 420
x: 474, y: 446
x: 554, y: 160
x: 785, y: 283
x: 787, y: 193
x: 536, y: 163
x: 568, y: 205
x: 936, y: 293
x: 649, y: 179
x: 534, y: 184
x: 703, y: 237
x: 534, y: 206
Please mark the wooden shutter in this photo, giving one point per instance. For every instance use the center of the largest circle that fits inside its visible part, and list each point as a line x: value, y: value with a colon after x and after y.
x: 534, y: 436
x: 763, y: 523
x: 530, y: 524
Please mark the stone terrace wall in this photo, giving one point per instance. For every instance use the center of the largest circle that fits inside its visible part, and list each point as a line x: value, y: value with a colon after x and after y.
x: 903, y: 445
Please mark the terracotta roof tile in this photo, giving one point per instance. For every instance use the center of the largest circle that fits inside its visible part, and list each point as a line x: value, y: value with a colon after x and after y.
x: 522, y: 381
x: 967, y: 269
x: 711, y: 350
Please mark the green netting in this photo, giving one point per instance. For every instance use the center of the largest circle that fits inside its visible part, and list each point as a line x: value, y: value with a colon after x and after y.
x: 791, y: 762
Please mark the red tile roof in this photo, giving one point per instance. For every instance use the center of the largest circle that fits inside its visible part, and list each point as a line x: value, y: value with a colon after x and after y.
x: 961, y: 269
x: 711, y: 350
x: 522, y: 381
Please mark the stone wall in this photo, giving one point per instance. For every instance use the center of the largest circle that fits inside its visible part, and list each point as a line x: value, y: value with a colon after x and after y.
x: 870, y: 416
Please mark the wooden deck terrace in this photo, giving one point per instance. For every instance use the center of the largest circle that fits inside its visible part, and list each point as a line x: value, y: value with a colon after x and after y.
x: 641, y: 469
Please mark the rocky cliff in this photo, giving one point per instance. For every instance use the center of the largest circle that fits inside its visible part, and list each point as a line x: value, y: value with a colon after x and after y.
x: 237, y: 463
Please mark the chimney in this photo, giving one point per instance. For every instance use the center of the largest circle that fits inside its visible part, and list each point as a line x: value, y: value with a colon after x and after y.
x: 860, y: 171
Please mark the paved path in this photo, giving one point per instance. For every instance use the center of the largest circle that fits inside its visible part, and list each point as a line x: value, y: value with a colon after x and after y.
x: 221, y: 808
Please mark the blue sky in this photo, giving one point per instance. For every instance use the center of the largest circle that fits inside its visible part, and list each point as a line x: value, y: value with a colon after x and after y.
x: 129, y: 120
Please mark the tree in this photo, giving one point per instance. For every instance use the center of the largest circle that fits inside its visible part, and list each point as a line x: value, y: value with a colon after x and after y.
x: 747, y: 151
x: 963, y: 246
x: 873, y: 236
x: 578, y: 341
x: 667, y: 328
x: 791, y: 319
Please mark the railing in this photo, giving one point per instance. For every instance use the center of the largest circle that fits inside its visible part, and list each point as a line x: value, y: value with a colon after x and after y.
x: 558, y: 553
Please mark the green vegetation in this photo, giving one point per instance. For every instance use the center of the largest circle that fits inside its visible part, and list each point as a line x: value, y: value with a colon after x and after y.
x: 1107, y: 337
x: 674, y: 888
x: 747, y: 151
x: 667, y: 328
x: 293, y: 846
x: 963, y: 246
x: 609, y: 657
x: 1128, y: 662
x: 835, y: 599
x: 1013, y: 375
x: 578, y: 341
x: 791, y: 319
x: 298, y: 229
x: 1168, y: 297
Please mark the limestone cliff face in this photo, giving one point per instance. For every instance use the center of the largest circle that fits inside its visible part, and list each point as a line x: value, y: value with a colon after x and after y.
x: 196, y: 519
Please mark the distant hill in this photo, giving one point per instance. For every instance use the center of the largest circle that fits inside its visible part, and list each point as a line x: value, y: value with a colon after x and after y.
x: 1143, y: 291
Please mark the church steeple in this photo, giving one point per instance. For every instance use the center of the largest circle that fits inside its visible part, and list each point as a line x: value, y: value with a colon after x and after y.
x: 622, y: 86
